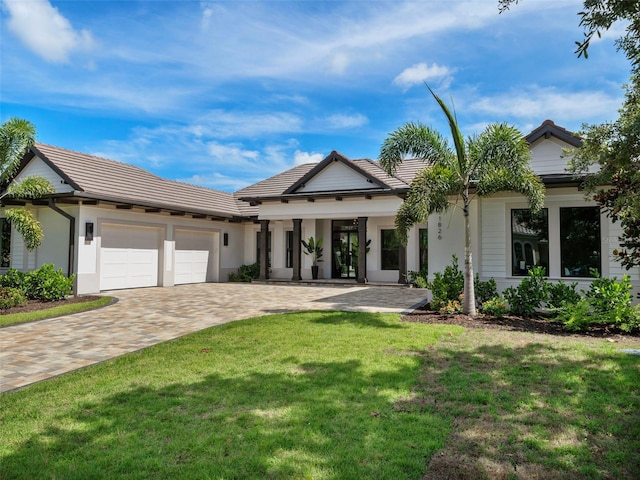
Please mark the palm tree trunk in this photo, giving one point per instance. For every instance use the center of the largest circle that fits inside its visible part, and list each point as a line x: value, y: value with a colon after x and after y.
x: 469, y: 302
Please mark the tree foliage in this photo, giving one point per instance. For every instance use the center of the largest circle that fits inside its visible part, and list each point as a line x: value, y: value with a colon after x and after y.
x: 16, y: 136
x: 614, y: 148
x: 495, y: 160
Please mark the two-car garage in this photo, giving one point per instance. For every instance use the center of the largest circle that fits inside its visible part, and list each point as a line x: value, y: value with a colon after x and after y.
x: 133, y: 256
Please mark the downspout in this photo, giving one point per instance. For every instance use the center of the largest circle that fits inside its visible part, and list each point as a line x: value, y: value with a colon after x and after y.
x: 72, y: 239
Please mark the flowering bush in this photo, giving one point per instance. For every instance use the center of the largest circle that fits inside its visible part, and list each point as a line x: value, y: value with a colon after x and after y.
x: 496, y: 306
x: 451, y: 307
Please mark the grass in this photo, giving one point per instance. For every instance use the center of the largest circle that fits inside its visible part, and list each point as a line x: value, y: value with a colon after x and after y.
x: 23, y: 317
x: 335, y: 395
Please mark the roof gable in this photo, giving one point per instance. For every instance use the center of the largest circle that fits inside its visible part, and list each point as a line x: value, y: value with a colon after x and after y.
x: 548, y: 129
x: 41, y: 167
x: 336, y: 173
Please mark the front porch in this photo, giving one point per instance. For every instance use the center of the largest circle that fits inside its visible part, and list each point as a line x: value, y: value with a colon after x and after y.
x: 346, y: 245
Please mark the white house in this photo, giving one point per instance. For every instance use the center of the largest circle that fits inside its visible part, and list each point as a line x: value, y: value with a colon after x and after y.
x: 118, y: 226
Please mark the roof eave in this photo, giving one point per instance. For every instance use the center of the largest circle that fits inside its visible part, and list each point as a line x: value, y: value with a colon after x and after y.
x: 325, y: 195
x: 214, y: 214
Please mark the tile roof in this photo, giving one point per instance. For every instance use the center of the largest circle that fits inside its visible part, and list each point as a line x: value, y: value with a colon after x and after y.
x: 109, y: 180
x: 277, y: 184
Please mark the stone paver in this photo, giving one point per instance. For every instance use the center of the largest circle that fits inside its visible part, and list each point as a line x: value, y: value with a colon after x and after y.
x: 143, y: 317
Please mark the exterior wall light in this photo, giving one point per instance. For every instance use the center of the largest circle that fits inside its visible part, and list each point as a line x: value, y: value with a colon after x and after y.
x: 88, y: 231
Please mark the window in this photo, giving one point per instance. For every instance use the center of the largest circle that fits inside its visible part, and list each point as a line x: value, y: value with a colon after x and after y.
x: 258, y: 235
x: 579, y: 241
x: 423, y: 248
x: 529, y: 241
x: 389, y: 250
x: 288, y: 254
x: 5, y: 243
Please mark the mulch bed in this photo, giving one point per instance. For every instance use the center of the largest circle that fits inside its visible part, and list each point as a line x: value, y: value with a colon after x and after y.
x: 34, y: 305
x: 516, y: 324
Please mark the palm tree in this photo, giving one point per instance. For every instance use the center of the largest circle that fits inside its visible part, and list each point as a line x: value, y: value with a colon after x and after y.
x: 494, y: 161
x: 16, y: 136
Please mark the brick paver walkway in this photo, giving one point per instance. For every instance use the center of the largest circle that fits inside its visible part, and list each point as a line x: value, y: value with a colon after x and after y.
x: 143, y: 317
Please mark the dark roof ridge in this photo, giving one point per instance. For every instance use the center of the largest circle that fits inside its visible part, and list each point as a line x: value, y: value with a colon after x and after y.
x: 547, y: 128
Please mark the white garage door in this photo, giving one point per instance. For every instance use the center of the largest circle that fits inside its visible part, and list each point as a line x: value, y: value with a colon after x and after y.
x: 193, y: 257
x: 128, y: 257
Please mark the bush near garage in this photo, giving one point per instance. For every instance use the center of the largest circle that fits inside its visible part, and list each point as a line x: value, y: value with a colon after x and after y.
x: 45, y: 284
x: 11, y: 297
x: 246, y: 273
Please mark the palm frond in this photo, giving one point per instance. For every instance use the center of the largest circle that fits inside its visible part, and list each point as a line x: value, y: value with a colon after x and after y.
x: 30, y: 187
x: 429, y: 192
x: 458, y: 140
x: 16, y: 136
x: 499, y: 146
x: 413, y: 140
x: 26, y: 224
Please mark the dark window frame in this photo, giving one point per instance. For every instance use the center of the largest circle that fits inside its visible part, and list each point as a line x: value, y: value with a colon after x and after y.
x: 522, y: 243
x: 569, y: 254
x: 389, y: 254
x: 288, y: 249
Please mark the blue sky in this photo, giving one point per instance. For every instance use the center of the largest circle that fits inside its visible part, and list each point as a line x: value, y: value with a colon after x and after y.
x: 224, y: 94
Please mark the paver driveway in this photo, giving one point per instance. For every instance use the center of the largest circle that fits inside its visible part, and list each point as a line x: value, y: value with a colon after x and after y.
x: 143, y: 317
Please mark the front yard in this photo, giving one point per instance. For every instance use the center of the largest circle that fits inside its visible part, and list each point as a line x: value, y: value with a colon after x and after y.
x: 336, y: 395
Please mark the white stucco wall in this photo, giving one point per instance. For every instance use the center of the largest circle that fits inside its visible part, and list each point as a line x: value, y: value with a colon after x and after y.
x: 87, y: 256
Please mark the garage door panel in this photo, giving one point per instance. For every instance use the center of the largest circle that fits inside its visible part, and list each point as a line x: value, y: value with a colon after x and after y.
x: 128, y: 257
x: 192, y: 256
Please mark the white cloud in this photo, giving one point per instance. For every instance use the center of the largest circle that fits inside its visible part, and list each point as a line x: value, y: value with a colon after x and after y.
x: 419, y: 73
x: 340, y: 120
x: 300, y: 157
x: 44, y: 30
x: 216, y: 181
x: 193, y: 155
x: 207, y: 13
x: 548, y: 103
x: 231, y: 154
x: 225, y: 124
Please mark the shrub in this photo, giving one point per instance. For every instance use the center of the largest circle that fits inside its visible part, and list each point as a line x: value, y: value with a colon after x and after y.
x: 496, y: 307
x: 447, y: 285
x: 451, y: 307
x: 577, y: 316
x: 246, y: 273
x: 11, y: 297
x: 608, y: 302
x: 419, y: 279
x: 12, y: 279
x: 527, y: 297
x: 560, y: 294
x: 484, y: 290
x: 47, y: 284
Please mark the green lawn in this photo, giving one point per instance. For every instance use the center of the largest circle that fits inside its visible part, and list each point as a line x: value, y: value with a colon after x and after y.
x: 14, y: 318
x: 333, y: 395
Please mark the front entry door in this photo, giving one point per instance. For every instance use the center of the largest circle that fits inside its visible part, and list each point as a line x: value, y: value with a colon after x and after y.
x: 344, y: 245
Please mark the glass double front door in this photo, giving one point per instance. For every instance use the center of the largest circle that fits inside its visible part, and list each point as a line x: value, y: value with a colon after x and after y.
x: 344, y: 247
